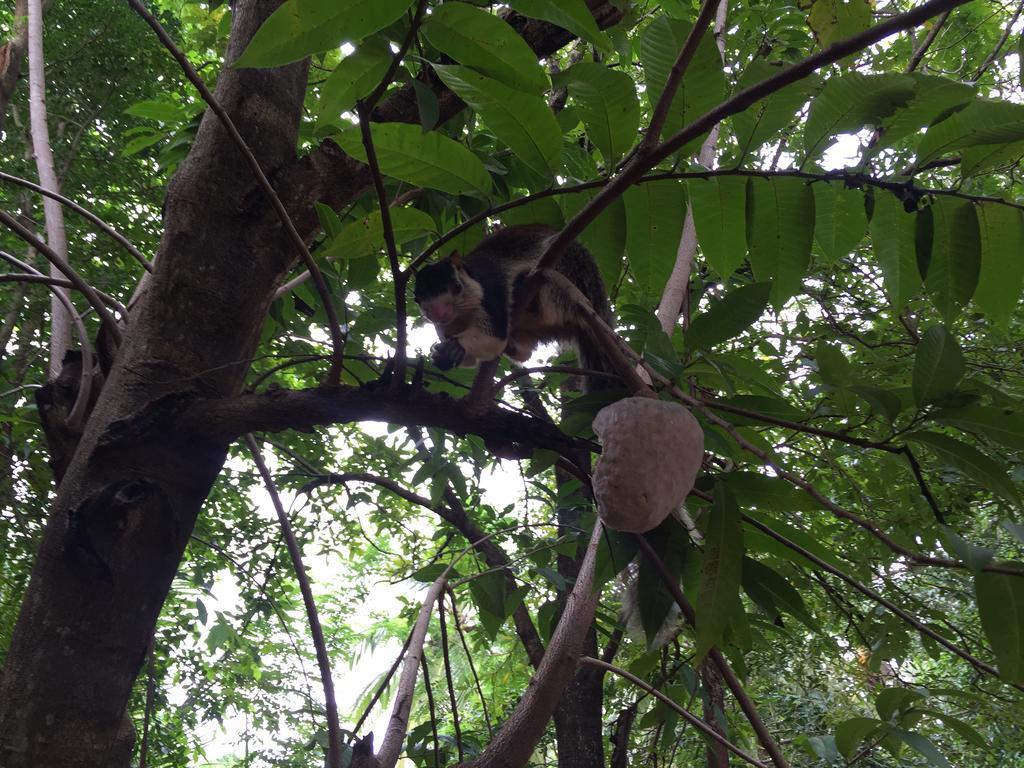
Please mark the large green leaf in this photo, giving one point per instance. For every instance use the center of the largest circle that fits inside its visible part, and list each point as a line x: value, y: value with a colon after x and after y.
x: 892, y: 239
x: 424, y: 159
x: 718, y: 204
x: 764, y: 119
x: 607, y: 104
x: 1002, y: 268
x: 1002, y: 425
x: 922, y: 745
x: 654, y: 223
x: 850, y: 733
x: 840, y: 220
x: 521, y: 120
x: 949, y: 254
x: 938, y: 365
x: 981, y: 122
x: 933, y: 97
x: 481, y: 40
x: 572, y: 15
x: 301, y: 27
x: 728, y: 316
x: 1001, y: 606
x: 365, y: 237
x: 355, y: 77
x: 835, y: 20
x: 768, y: 587
x: 720, y: 571
x: 703, y: 84
x: 780, y: 228
x: 987, y: 473
x: 851, y: 101
x: 604, y: 237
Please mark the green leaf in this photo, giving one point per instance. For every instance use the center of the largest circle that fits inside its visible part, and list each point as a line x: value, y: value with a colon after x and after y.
x: 970, y: 461
x: 764, y: 492
x: 571, y: 15
x: 851, y: 101
x: 850, y: 733
x: 654, y: 223
x: 763, y: 583
x: 488, y: 593
x: 365, y: 237
x: 892, y: 239
x: 654, y: 600
x: 720, y: 571
x: 729, y: 316
x: 835, y: 20
x: 521, y: 120
x: 1001, y: 607
x: 981, y: 122
x: 892, y: 702
x: 424, y: 159
x: 607, y: 104
x: 766, y: 118
x: 949, y: 253
x: 355, y: 77
x: 840, y: 220
x: 938, y: 365
x: 933, y: 97
x: 158, y: 110
x: 301, y: 27
x: 882, y: 401
x: 974, y: 556
x: 922, y: 745
x: 604, y: 237
x: 959, y: 727
x: 141, y: 142
x: 780, y: 227
x: 1003, y: 425
x: 1002, y: 268
x: 703, y: 85
x: 478, y: 39
x: 833, y: 367
x: 718, y: 204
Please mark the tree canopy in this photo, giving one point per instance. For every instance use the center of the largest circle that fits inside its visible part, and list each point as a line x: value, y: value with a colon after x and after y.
x: 248, y: 491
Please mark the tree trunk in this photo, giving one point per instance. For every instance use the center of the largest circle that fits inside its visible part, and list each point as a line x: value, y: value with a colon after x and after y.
x: 126, y: 506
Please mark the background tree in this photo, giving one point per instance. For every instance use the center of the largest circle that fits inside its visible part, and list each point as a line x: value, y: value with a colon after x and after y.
x: 845, y: 585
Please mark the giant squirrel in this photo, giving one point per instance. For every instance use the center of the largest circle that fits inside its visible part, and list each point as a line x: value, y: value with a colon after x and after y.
x: 472, y: 302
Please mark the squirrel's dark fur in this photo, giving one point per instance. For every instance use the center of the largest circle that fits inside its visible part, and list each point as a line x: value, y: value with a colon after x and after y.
x: 470, y: 300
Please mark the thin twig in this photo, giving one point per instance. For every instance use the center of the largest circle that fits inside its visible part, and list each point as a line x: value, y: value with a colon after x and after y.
x: 431, y: 709
x: 11, y: 277
x: 80, y: 284
x: 334, y: 327
x: 84, y: 213
x: 692, y: 719
x: 878, y: 598
x: 728, y: 675
x: 999, y: 45
x: 915, y: 59
x: 448, y: 676
x: 472, y: 666
x: 312, y: 615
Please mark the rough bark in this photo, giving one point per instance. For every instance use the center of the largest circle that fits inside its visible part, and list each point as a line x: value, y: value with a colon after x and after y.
x: 125, y: 508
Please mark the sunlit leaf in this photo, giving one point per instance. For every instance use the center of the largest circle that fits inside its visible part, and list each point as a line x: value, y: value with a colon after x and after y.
x: 301, y: 27
x: 780, y: 227
x: 718, y: 204
x: 521, y: 120
x: 478, y: 39
x: 425, y: 159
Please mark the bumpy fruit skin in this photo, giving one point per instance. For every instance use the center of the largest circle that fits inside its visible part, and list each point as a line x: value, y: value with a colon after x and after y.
x: 651, y: 451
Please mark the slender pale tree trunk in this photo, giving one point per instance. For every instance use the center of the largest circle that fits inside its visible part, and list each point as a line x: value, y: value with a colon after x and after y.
x: 676, y: 289
x: 60, y: 320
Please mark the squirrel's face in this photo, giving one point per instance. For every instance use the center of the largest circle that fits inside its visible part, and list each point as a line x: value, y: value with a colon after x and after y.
x: 438, y: 291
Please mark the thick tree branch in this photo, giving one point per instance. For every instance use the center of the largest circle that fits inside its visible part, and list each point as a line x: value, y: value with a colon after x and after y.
x: 508, y: 434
